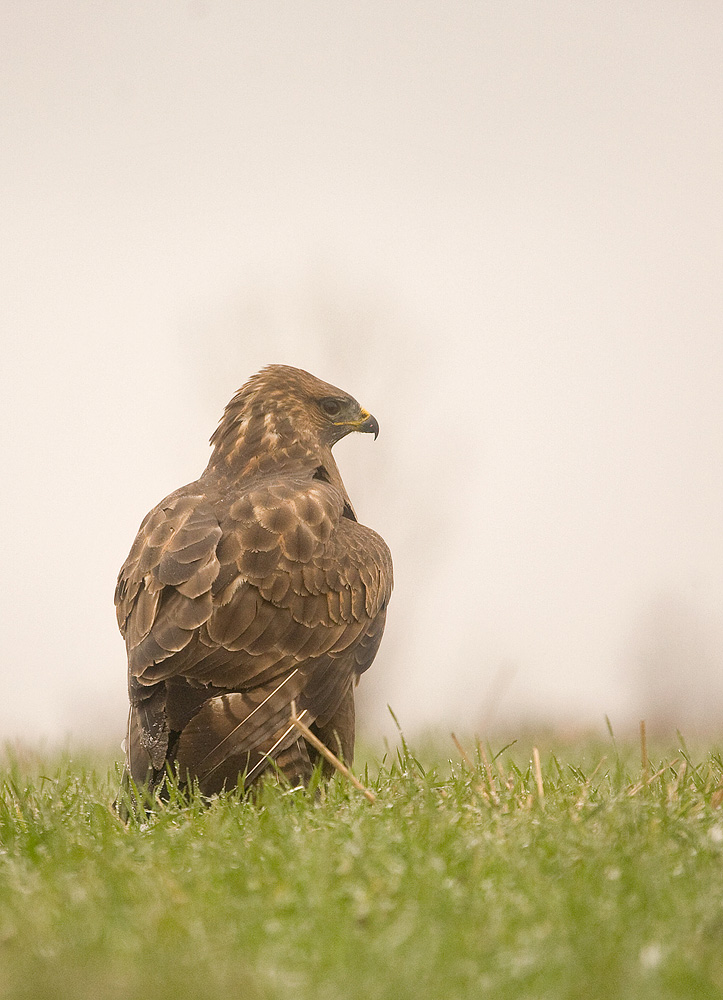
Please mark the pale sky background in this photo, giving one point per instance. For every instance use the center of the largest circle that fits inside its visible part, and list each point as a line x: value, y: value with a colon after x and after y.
x: 498, y: 224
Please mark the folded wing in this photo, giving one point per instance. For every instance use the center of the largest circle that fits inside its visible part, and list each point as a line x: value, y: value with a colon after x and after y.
x: 231, y: 610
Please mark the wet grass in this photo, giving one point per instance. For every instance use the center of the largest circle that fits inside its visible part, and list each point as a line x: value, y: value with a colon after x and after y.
x: 473, y: 874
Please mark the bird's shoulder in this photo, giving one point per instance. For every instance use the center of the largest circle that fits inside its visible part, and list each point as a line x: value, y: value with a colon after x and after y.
x: 293, y: 536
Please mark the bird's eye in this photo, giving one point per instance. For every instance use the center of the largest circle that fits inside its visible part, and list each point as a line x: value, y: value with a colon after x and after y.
x: 331, y: 407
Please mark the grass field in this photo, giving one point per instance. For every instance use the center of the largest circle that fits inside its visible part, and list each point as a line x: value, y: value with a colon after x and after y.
x: 461, y: 880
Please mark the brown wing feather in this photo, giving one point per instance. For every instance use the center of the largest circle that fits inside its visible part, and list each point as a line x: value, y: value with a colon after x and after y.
x: 164, y: 587
x: 274, y: 597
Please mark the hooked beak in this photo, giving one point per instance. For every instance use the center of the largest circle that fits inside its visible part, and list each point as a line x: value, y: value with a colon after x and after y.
x: 367, y: 424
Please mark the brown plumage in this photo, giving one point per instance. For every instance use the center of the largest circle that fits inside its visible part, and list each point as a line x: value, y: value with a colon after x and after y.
x: 251, y: 587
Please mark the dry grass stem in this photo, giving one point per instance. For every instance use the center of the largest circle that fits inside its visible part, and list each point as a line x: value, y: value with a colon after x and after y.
x: 538, y: 774
x: 488, y: 772
x: 462, y: 753
x: 644, y: 753
x: 597, y: 768
x: 324, y: 750
x: 634, y: 789
x: 675, y: 787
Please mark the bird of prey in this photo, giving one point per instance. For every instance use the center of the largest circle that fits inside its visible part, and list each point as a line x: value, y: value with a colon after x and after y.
x: 251, y: 588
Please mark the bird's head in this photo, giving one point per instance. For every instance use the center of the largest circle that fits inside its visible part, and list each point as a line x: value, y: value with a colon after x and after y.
x: 287, y: 413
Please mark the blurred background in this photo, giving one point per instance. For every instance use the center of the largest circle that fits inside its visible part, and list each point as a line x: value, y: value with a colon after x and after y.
x: 498, y: 224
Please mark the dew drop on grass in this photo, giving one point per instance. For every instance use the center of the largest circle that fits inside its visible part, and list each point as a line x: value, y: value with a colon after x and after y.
x: 651, y: 955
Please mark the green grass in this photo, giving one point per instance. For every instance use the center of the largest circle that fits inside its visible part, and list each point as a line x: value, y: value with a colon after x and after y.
x: 458, y: 882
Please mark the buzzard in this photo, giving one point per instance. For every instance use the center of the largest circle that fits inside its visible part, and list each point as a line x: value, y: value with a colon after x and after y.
x: 251, y: 588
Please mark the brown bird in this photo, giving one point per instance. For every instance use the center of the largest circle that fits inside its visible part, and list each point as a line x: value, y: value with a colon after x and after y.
x: 250, y: 588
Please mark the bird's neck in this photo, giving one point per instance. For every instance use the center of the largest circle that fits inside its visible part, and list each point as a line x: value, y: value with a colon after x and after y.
x: 254, y: 443
x: 251, y: 442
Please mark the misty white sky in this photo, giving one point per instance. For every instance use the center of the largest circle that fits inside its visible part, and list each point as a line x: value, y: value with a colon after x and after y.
x: 499, y: 225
